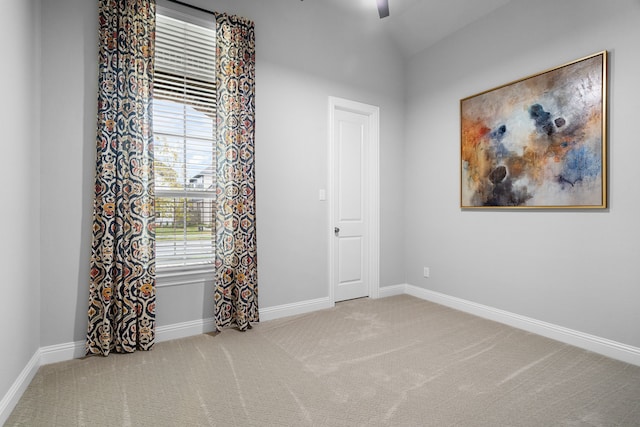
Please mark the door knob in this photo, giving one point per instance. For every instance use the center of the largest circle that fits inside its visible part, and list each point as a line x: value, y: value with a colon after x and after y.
x: 336, y: 230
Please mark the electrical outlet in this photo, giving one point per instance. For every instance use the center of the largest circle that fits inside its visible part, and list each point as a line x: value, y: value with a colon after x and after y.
x: 426, y: 272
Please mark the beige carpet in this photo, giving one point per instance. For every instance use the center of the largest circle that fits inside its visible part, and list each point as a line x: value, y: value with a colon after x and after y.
x: 396, y: 361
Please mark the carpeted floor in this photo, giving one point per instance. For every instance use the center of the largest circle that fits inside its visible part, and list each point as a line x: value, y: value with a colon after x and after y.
x: 397, y: 361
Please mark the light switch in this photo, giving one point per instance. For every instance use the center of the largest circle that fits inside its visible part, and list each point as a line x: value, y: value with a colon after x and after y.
x: 322, y: 194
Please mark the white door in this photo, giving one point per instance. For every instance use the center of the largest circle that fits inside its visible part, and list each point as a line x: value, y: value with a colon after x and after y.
x: 354, y: 185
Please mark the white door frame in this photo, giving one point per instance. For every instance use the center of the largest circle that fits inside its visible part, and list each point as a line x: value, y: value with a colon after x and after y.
x: 373, y: 113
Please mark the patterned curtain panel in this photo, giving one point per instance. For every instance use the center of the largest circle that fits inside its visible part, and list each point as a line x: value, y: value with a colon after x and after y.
x: 236, y: 292
x: 122, y: 290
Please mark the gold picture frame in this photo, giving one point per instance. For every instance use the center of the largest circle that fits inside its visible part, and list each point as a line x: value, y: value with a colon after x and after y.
x: 538, y: 142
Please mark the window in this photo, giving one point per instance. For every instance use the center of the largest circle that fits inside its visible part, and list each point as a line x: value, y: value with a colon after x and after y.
x: 184, y: 114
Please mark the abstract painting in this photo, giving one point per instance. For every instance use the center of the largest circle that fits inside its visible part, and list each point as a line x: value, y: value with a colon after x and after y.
x: 538, y: 142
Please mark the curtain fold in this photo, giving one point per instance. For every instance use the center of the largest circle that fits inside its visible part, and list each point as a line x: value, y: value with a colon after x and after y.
x: 236, y: 276
x: 122, y: 272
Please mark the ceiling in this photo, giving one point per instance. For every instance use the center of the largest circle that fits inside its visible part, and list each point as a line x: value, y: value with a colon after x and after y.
x: 415, y: 25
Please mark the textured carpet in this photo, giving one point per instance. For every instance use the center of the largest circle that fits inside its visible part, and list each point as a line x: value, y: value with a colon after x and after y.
x: 397, y: 361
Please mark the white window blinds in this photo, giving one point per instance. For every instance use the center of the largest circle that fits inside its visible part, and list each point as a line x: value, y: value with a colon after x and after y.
x: 184, y: 111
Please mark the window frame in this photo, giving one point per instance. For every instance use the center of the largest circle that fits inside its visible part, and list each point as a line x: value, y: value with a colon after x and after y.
x: 194, y: 274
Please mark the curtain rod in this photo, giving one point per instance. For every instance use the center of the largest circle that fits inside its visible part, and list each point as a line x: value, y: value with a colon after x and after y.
x: 191, y: 6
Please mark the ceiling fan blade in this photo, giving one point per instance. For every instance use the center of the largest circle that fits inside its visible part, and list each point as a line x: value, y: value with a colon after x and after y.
x: 383, y: 8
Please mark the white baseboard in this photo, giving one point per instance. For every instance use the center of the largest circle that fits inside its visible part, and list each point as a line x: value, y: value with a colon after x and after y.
x: 389, y: 291
x: 603, y: 346
x: 11, y: 398
x: 203, y: 326
x: 61, y: 352
x: 73, y: 350
x: 185, y: 329
x: 286, y: 310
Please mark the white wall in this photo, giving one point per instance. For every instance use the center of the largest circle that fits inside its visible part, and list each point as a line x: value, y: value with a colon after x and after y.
x: 299, y: 65
x: 19, y: 174
x: 291, y: 149
x: 574, y: 269
x: 69, y: 82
